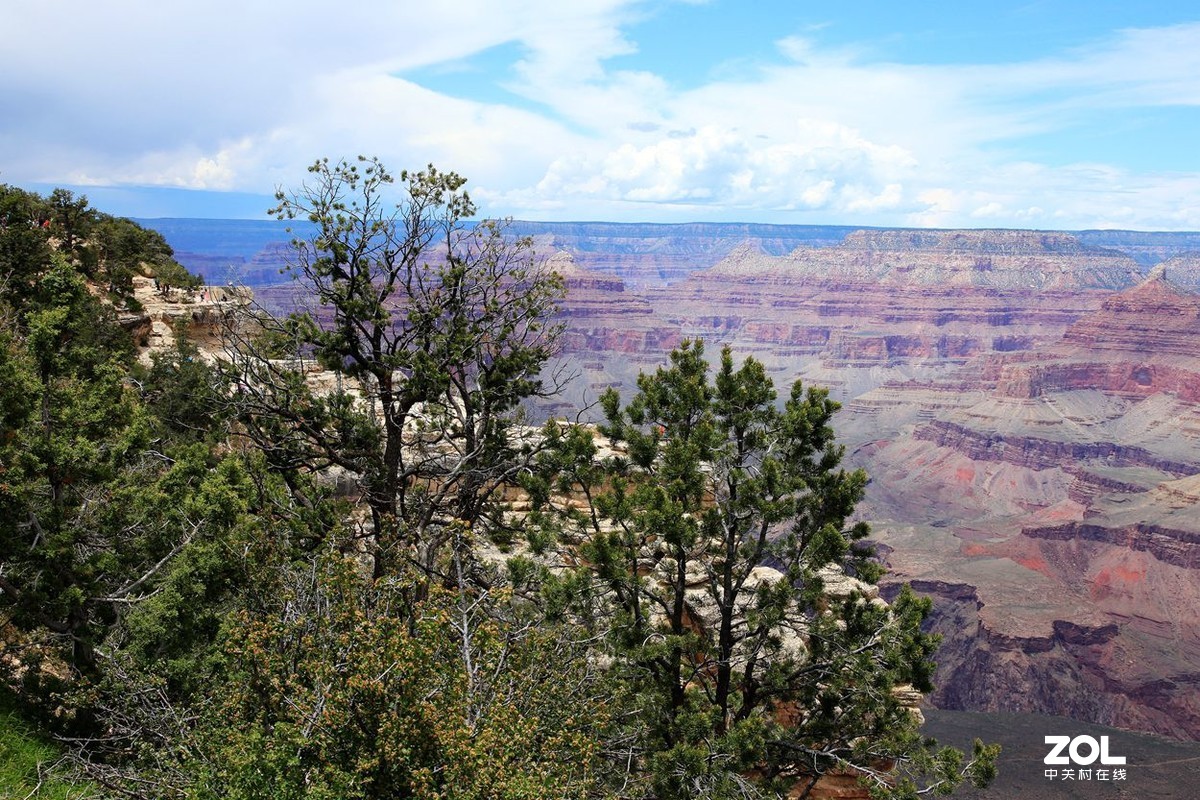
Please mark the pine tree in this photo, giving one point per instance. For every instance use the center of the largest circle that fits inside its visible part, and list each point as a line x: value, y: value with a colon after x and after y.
x: 739, y: 594
x: 435, y: 331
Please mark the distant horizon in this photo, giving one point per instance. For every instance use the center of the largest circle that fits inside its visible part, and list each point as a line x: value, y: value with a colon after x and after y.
x: 113, y: 199
x: 246, y: 237
x: 645, y: 223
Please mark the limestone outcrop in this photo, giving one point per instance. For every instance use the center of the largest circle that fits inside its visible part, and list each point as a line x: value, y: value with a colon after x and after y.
x: 201, y: 311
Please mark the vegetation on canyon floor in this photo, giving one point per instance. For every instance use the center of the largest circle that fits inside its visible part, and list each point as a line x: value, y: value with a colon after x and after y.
x: 336, y: 561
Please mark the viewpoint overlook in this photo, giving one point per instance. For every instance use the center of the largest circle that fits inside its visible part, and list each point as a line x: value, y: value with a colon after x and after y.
x: 606, y: 400
x: 701, y: 509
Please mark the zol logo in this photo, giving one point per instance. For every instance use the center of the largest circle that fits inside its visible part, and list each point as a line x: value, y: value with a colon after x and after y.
x: 1082, y: 750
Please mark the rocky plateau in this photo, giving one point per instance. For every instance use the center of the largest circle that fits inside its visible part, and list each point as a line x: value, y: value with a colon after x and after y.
x: 1026, y: 403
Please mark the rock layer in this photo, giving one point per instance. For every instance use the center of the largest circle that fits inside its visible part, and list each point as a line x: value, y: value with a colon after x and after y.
x: 1050, y: 502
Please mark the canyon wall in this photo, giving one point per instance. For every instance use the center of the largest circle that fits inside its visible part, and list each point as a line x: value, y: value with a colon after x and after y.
x: 1048, y: 500
x: 1009, y: 393
x: 1026, y: 404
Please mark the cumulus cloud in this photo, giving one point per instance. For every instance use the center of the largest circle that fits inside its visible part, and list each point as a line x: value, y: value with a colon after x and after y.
x: 234, y: 96
x: 884, y: 143
x: 1072, y: 197
x: 820, y: 165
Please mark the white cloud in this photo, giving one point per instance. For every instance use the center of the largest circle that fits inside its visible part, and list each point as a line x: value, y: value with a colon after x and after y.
x: 157, y: 92
x: 229, y: 95
x: 819, y: 165
x: 942, y: 207
x: 992, y: 209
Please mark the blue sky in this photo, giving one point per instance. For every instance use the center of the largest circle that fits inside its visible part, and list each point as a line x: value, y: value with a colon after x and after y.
x: 1062, y: 115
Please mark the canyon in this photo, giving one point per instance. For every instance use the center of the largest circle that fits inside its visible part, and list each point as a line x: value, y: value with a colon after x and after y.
x: 1027, y: 404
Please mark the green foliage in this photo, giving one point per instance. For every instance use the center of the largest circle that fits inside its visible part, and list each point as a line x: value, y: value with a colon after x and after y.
x: 346, y: 690
x: 94, y: 504
x: 186, y: 393
x: 107, y: 250
x: 27, y: 764
x: 79, y: 427
x: 172, y: 275
x: 437, y: 333
x: 715, y: 543
x: 25, y: 252
x: 171, y: 631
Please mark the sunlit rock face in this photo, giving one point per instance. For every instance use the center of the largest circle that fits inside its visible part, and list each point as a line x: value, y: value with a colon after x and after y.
x: 879, y: 308
x: 1182, y: 270
x: 200, y: 313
